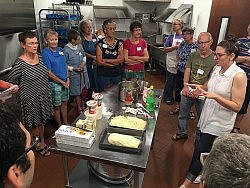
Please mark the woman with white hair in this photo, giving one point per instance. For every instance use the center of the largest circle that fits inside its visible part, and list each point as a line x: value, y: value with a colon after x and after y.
x: 170, y: 46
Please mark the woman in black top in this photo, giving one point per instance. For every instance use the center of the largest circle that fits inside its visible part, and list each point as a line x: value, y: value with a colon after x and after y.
x: 110, y: 57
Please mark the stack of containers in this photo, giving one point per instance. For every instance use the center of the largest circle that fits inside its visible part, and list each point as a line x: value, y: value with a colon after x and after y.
x: 98, y: 98
x: 74, y: 136
x: 90, y: 113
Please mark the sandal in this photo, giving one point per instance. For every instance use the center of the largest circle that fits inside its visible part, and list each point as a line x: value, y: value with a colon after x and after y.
x: 43, y: 151
x: 192, y: 115
x: 178, y: 136
x: 174, y: 111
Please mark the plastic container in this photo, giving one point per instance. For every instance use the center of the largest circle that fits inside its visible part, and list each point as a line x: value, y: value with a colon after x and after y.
x: 144, y: 96
x: 150, y: 100
x: 92, y: 104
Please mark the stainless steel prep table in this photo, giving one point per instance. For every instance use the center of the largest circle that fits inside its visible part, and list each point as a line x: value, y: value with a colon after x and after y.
x: 136, y: 162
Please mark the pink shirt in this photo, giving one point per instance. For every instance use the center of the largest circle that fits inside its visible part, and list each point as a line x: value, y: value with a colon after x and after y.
x: 135, y: 50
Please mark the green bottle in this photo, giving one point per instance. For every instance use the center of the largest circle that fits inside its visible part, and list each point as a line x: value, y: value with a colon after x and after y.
x: 150, y: 100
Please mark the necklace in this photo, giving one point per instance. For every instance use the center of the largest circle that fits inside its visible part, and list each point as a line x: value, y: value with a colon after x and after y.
x: 31, y: 59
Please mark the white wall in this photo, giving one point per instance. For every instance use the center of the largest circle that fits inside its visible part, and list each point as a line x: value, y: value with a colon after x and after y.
x: 108, y: 2
x: 201, y: 9
x: 201, y: 13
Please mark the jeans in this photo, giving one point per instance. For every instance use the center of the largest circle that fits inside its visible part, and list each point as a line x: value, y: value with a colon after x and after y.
x: 169, y: 86
x: 204, y: 145
x: 185, y: 106
x: 179, y: 85
x: 104, y: 81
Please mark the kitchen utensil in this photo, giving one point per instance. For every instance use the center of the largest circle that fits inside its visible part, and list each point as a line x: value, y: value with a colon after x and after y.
x: 139, y: 105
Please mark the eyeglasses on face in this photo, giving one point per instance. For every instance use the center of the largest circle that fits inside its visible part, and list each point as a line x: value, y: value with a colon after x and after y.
x: 37, y: 141
x: 32, y: 44
x: 219, y: 55
x: 204, y: 42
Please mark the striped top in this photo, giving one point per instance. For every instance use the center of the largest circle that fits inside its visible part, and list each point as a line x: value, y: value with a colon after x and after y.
x: 34, y: 92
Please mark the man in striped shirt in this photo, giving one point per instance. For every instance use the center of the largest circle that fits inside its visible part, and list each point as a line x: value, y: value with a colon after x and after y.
x: 243, y: 61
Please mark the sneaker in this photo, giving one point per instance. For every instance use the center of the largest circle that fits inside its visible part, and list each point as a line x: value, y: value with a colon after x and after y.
x: 198, y: 179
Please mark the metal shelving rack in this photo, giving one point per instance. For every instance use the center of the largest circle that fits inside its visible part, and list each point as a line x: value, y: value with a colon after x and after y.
x: 60, y: 20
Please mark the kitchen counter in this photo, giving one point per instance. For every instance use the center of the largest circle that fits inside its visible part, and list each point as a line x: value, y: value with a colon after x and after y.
x: 136, y: 162
x: 157, y: 54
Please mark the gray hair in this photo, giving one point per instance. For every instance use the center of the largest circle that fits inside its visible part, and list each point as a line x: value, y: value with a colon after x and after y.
x: 48, y: 33
x: 83, y: 23
x: 228, y: 164
x: 206, y: 33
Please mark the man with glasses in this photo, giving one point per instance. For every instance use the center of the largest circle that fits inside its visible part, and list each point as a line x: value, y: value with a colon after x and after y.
x: 17, y: 160
x: 199, y: 66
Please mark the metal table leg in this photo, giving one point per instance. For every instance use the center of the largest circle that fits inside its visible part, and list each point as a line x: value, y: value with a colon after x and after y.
x: 66, y: 172
x: 136, y: 179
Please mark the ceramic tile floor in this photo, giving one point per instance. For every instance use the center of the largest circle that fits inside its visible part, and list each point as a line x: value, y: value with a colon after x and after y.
x: 168, y: 161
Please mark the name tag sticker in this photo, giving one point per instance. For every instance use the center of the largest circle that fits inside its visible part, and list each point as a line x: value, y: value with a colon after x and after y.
x: 200, y: 71
x: 138, y: 48
x: 93, y: 40
x: 61, y: 53
x: 105, y: 46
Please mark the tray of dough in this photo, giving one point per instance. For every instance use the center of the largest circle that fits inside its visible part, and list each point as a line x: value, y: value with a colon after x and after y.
x: 122, y: 140
x: 128, y: 121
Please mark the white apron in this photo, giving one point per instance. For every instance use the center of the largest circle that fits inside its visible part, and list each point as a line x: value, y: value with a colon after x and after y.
x: 171, y: 62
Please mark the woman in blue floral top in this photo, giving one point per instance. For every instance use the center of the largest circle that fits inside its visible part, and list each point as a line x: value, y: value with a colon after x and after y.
x: 186, y: 47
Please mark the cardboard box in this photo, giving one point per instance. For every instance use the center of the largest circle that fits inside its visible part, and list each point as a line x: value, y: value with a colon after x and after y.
x: 66, y: 132
x: 79, y: 144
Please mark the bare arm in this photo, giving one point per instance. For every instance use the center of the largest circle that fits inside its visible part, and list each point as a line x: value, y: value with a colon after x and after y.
x: 171, y: 48
x: 120, y: 58
x: 58, y: 80
x: 99, y: 59
x: 238, y: 93
x: 131, y: 60
x: 185, y: 90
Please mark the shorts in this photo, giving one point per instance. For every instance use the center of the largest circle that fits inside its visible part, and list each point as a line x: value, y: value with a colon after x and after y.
x: 245, y: 104
x: 59, y: 93
x: 130, y: 75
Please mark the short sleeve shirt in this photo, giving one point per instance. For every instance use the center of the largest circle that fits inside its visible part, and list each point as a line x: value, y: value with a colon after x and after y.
x: 200, y: 67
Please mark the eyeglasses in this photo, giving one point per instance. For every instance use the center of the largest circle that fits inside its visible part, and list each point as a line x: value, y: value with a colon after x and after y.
x: 37, y: 141
x: 205, y: 42
x: 32, y: 44
x: 218, y: 55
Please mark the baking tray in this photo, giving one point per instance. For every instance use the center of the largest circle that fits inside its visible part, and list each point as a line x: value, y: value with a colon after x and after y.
x: 128, y: 115
x: 104, y: 144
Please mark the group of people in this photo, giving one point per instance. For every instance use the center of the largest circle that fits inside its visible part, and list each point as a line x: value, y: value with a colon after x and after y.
x: 215, y: 82
x: 90, y: 63
x: 84, y: 65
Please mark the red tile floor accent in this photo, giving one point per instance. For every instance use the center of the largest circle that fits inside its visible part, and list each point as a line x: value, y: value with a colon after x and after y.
x: 168, y: 160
